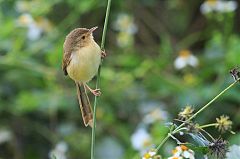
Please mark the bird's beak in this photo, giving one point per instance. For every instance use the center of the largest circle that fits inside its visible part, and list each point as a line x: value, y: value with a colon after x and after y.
x: 92, y: 29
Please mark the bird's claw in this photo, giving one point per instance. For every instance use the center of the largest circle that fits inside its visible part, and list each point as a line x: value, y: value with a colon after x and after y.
x: 103, y: 54
x: 96, y: 92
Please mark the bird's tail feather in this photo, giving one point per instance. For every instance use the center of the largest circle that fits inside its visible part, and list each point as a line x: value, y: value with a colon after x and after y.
x: 84, y: 104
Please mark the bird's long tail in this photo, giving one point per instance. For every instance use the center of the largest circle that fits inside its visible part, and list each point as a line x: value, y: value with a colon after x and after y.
x: 84, y: 104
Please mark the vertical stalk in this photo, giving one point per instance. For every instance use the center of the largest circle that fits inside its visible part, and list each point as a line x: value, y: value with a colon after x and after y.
x: 98, y: 81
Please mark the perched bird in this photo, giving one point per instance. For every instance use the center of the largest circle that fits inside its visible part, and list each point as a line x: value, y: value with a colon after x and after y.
x: 81, y: 60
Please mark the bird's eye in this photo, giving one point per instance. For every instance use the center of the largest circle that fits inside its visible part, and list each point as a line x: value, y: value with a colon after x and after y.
x: 83, y: 37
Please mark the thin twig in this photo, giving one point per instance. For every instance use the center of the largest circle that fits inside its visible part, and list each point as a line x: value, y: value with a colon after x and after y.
x: 98, y: 82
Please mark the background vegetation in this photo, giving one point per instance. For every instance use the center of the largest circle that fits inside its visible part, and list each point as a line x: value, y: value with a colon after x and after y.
x: 143, y: 85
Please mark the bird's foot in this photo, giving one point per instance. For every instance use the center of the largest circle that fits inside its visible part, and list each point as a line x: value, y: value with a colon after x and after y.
x: 95, y: 92
x: 103, y: 54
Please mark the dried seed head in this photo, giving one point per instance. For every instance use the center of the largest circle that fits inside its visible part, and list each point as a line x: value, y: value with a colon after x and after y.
x: 235, y: 73
x: 186, y: 113
x: 218, y: 148
x: 223, y: 123
x: 192, y: 127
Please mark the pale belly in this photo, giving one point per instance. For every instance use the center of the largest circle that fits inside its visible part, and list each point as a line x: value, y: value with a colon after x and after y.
x: 84, y: 63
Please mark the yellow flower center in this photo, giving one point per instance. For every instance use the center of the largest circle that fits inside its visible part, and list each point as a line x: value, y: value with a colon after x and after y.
x: 147, y: 155
x: 184, y: 148
x: 184, y: 53
x: 174, y: 151
x: 211, y: 2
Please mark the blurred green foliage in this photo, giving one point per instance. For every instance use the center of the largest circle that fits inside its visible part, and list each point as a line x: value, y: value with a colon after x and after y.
x: 38, y: 105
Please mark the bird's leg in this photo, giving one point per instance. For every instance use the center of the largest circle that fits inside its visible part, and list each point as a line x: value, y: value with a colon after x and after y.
x: 103, y: 54
x: 95, y: 92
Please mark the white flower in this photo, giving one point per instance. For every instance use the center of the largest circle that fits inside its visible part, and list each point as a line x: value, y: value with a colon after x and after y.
x: 125, y: 23
x: 127, y: 28
x: 35, y: 29
x: 154, y: 115
x: 25, y: 20
x: 234, y: 152
x: 185, y: 58
x: 150, y: 154
x: 218, y: 6
x: 188, y: 154
x: 141, y: 139
x: 182, y: 152
x: 59, y: 152
x: 178, y: 152
x: 34, y: 32
x: 5, y: 135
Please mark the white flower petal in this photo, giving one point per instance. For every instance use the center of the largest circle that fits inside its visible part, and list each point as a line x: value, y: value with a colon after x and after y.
x: 205, y: 8
x: 231, y: 6
x: 218, y: 6
x: 180, y: 63
x: 186, y: 154
x: 152, y: 153
x: 59, y: 151
x: 34, y: 32
x: 193, y: 61
x: 140, y: 138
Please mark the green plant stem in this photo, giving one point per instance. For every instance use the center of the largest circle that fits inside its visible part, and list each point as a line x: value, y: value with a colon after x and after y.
x: 205, y: 106
x: 208, y: 125
x: 98, y: 82
x: 207, y: 133
x: 194, y: 115
x: 163, y: 141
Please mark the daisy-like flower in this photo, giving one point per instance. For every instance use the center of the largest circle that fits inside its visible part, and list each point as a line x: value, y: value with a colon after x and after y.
x: 221, y: 6
x: 155, y: 115
x: 141, y: 139
x: 182, y: 152
x: 186, y: 113
x: 125, y: 23
x: 59, y: 151
x: 185, y: 58
x: 218, y: 148
x: 35, y: 27
x: 223, y: 123
x: 234, y: 152
x: 25, y: 20
x: 127, y: 28
x: 34, y: 31
x: 150, y: 154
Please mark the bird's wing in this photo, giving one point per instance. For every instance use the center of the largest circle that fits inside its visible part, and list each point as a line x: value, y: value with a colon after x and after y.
x: 67, y: 52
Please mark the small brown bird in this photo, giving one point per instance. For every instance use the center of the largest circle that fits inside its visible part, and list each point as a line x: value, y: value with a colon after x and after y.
x: 81, y: 60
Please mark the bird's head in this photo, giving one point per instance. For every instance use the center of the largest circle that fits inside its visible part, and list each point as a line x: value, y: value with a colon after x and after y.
x: 82, y: 37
